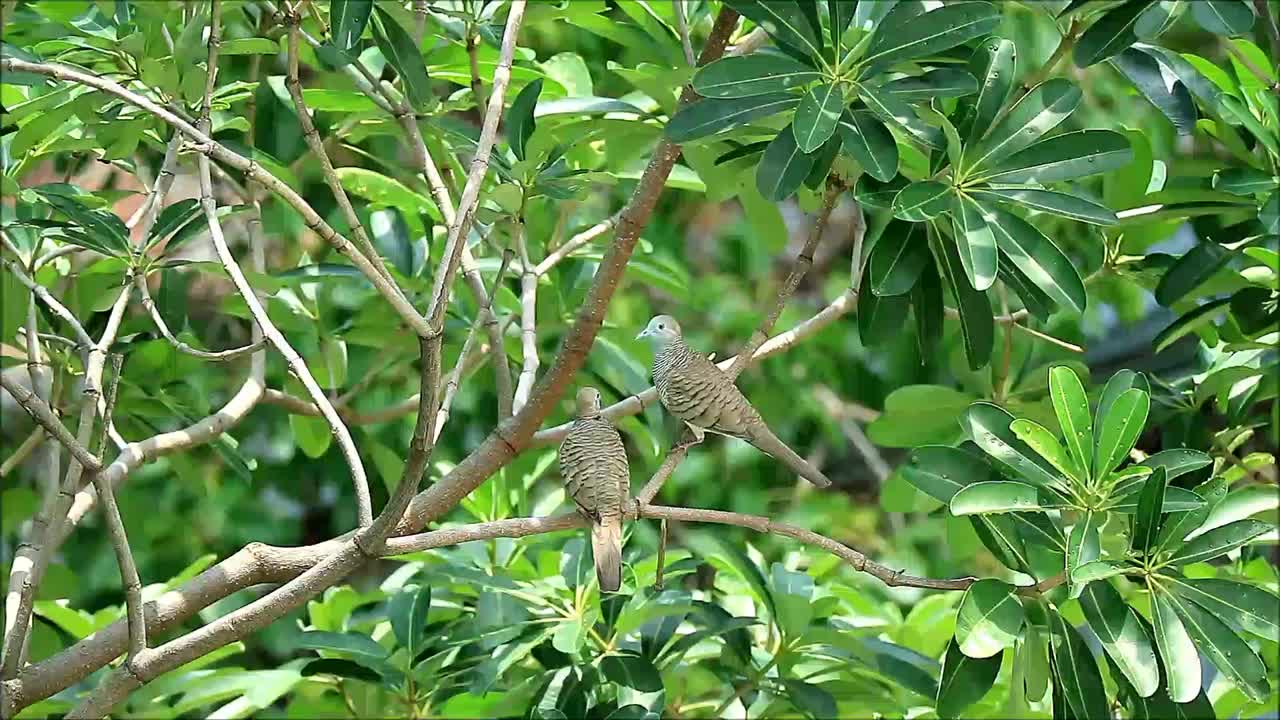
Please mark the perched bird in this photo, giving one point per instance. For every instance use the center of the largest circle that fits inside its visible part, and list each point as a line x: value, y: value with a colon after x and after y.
x: 695, y: 390
x: 593, y: 463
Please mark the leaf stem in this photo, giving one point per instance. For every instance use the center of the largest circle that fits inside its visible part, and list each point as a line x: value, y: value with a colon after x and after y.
x: 1064, y: 48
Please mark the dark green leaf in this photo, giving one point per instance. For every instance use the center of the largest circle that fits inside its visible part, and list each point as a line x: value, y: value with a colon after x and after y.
x: 1083, y: 545
x: 1116, y: 386
x: 893, y: 109
x: 710, y: 116
x: 783, y: 168
x: 927, y: 306
x: 816, y: 118
x: 1159, y: 17
x: 839, y: 15
x: 1248, y: 607
x: 1244, y: 181
x: 938, y: 83
x: 631, y: 671
x: 407, y: 611
x: 1189, y: 322
x: 1145, y: 71
x: 977, y: 324
x: 975, y: 241
x: 348, y: 19
x: 1146, y: 523
x: 922, y: 200
x: 1176, y: 528
x: 520, y: 123
x: 1222, y: 17
x: 897, y: 258
x: 1039, y: 259
x: 874, y: 193
x: 932, y: 32
x: 999, y: 534
x: 1219, y: 541
x: 345, y: 669
x: 824, y: 158
x: 1176, y: 500
x: 1076, y: 670
x: 349, y: 643
x: 941, y: 471
x: 989, y: 618
x: 1038, y: 112
x: 174, y: 217
x: 1181, y: 661
x: 1118, y: 429
x: 1064, y: 157
x: 964, y: 680
x: 811, y: 699
x: 1037, y: 301
x: 1110, y: 34
x: 1046, y: 445
x: 993, y: 64
x: 750, y: 75
x: 1196, y: 266
x: 1224, y: 648
x: 402, y: 52
x: 784, y: 21
x: 1071, y: 406
x: 868, y: 13
x: 870, y: 143
x: 880, y: 317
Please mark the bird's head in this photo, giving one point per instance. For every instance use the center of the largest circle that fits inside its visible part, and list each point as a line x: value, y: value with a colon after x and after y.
x: 661, y: 331
x: 588, y: 402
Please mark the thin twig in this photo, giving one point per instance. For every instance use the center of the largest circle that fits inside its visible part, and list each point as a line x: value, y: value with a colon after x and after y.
x: 23, y: 451
x: 43, y: 414
x: 575, y: 242
x: 682, y: 27
x: 528, y: 323
x: 217, y: 356
x: 477, y: 87
x: 455, y: 376
x: 208, y: 147
x: 297, y: 366
x: 49, y: 301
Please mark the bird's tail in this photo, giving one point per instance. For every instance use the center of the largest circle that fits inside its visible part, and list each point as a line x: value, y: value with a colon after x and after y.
x: 606, y: 545
x: 764, y: 439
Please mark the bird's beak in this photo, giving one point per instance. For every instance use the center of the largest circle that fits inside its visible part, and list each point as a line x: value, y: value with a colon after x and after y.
x: 642, y: 334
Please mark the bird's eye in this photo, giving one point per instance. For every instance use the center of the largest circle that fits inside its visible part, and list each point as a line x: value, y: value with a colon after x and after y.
x: 661, y: 326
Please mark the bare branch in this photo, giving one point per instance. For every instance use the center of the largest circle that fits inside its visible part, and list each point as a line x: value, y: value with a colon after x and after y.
x: 575, y: 242
x: 682, y: 27
x: 144, y: 292
x: 528, y: 323
x: 211, y: 148
x: 24, y: 450
x: 455, y: 377
x: 751, y: 42
x: 510, y: 528
x: 43, y: 414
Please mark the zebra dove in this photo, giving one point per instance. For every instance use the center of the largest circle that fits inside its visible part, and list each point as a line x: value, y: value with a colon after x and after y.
x: 695, y: 390
x: 593, y: 463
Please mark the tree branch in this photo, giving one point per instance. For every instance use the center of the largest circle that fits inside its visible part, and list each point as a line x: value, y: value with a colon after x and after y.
x: 43, y: 414
x: 149, y: 304
x: 528, y: 322
x: 211, y: 148
x: 82, y: 336
x: 575, y: 242
x: 455, y: 377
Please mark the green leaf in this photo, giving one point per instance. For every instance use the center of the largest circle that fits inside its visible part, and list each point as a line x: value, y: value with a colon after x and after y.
x: 1181, y: 661
x: 870, y: 143
x: 1038, y: 112
x: 941, y: 471
x: 999, y: 534
x: 1192, y: 269
x: 382, y: 190
x: 1118, y: 429
x: 873, y: 193
x: 520, y: 123
x: 977, y: 323
x: 1219, y: 541
x: 868, y: 13
x: 407, y: 611
x: 311, y: 434
x: 1148, y: 74
x: 1109, y: 34
x: 1146, y: 523
x: 893, y: 109
x: 989, y: 426
x: 1116, y: 386
x: 1224, y: 648
x: 936, y: 83
x: 1096, y: 570
x: 252, y: 46
x: 1178, y: 461
x: 1076, y: 670
x: 880, y: 317
x: 348, y: 19
x: 632, y: 672
x: 993, y: 64
x: 1249, y: 607
x: 922, y: 200
x: 1177, y: 528
x: 751, y: 75
x: 839, y: 15
x: 989, y: 619
x: 713, y: 115
x: 1159, y: 17
x: 1064, y: 157
x: 1189, y: 322
x: 783, y: 168
x: 1222, y: 17
x: 997, y: 497
x: 812, y: 699
x: 1083, y: 546
x: 816, y: 118
x: 1176, y: 500
x: 1244, y: 181
x: 1047, y: 201
x: 784, y: 21
x: 345, y: 669
x: 1071, y: 406
x: 174, y: 217
x: 349, y: 643
x: 1038, y: 438
x: 955, y: 151
x: 402, y: 52
x: 932, y: 32
x: 975, y: 241
x: 927, y: 306
x: 1243, y: 503
x: 897, y: 258
x: 964, y: 680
